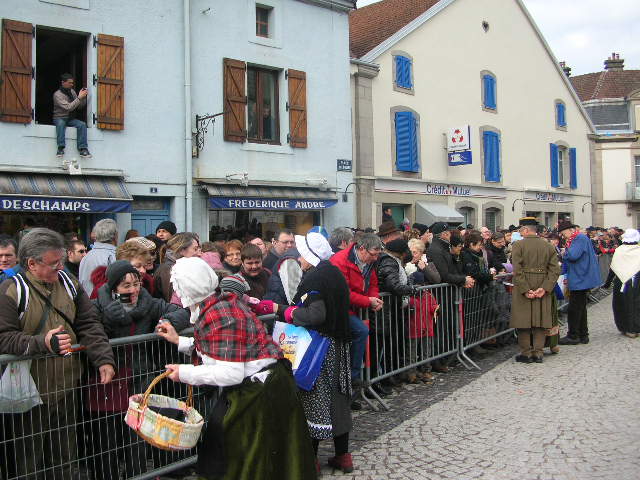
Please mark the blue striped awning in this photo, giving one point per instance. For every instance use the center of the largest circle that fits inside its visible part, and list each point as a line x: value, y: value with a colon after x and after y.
x: 37, y: 192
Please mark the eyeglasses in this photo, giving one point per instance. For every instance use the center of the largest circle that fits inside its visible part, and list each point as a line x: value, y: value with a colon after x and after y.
x: 54, y: 266
x: 130, y: 285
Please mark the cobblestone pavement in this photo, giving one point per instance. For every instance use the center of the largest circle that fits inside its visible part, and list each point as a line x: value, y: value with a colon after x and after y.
x: 573, y: 417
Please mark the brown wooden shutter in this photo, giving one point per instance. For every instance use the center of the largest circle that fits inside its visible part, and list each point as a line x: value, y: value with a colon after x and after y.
x: 297, y: 108
x: 110, y: 82
x: 235, y: 100
x: 16, y: 74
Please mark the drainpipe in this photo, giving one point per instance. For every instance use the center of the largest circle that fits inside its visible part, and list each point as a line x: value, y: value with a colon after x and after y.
x: 188, y: 160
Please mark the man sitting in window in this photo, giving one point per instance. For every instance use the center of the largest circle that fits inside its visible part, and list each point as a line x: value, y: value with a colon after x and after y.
x: 66, y: 104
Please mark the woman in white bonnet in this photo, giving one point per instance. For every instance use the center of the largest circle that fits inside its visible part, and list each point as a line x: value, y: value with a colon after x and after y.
x: 257, y: 428
x: 625, y: 265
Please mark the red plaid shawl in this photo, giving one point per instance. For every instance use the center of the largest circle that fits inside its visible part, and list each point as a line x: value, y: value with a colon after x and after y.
x: 228, y: 330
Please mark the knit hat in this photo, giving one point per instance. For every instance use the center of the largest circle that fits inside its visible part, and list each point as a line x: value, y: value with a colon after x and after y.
x: 439, y: 227
x: 321, y: 230
x: 313, y: 247
x: 631, y: 235
x: 421, y: 227
x: 398, y: 245
x: 145, y: 242
x: 168, y: 226
x: 193, y: 281
x: 234, y: 284
x: 117, y: 271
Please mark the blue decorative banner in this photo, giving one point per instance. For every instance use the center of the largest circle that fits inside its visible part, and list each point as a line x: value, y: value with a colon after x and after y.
x: 459, y: 158
x: 58, y: 205
x: 239, y: 203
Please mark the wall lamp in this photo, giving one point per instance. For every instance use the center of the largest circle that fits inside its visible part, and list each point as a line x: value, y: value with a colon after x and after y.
x: 586, y: 203
x: 513, y: 205
x: 345, y: 197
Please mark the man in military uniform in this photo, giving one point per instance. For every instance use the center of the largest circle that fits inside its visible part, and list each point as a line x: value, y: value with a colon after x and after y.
x: 535, y: 273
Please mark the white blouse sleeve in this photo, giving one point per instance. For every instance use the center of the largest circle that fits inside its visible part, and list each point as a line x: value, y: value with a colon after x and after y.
x: 185, y: 345
x: 222, y: 374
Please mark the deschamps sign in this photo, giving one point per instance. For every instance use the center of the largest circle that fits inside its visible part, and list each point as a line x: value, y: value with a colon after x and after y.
x: 52, y: 204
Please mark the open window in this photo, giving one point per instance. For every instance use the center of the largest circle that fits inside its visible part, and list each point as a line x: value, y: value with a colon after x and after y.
x: 58, y: 52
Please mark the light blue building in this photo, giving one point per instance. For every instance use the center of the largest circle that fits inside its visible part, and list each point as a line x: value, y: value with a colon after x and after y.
x: 150, y: 68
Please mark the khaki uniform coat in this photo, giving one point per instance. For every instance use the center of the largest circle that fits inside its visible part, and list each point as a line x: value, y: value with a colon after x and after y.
x: 535, y: 265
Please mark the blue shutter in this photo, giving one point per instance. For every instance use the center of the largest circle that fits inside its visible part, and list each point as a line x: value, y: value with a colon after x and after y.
x: 573, y: 168
x: 489, y: 92
x: 560, y: 115
x: 491, y: 143
x: 403, y: 72
x: 406, y: 143
x: 555, y: 181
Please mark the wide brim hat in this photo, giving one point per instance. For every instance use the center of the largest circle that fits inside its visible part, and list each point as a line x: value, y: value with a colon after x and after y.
x: 565, y: 224
x: 387, y: 228
x: 528, y: 221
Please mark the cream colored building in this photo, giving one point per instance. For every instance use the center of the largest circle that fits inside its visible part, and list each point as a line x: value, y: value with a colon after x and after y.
x: 424, y: 71
x: 612, y: 100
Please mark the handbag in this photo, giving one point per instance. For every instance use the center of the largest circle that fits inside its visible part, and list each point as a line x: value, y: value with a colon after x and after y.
x: 112, y: 397
x: 309, y: 369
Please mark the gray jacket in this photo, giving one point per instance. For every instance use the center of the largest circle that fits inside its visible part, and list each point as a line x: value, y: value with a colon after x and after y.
x: 101, y: 255
x: 62, y: 107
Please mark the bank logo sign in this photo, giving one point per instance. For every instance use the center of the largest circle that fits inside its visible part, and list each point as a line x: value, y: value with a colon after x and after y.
x: 459, y: 146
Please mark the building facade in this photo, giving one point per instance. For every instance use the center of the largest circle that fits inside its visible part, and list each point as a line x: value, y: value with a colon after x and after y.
x: 612, y: 99
x: 278, y: 155
x: 478, y: 129
x: 272, y: 158
x: 134, y: 113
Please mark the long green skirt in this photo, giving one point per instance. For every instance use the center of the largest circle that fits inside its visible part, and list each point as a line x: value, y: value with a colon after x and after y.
x: 258, y: 431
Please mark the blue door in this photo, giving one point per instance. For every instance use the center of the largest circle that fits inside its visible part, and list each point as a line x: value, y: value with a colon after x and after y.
x: 147, y: 213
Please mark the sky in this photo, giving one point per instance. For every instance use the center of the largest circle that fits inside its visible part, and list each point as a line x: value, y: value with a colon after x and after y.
x: 584, y: 33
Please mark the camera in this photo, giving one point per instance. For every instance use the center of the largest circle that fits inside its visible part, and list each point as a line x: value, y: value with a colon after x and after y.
x: 123, y: 297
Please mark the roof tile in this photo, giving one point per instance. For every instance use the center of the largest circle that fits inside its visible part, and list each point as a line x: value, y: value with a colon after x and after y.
x: 606, y: 84
x: 371, y: 25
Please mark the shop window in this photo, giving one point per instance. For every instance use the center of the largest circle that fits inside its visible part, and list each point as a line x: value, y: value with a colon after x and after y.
x: 58, y: 52
x: 468, y: 214
x: 263, y: 14
x: 491, y: 218
x: 561, y: 120
x: 489, y: 94
x: 549, y: 219
x: 406, y: 142
x: 262, y: 106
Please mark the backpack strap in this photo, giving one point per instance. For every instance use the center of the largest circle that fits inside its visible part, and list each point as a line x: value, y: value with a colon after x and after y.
x: 22, y: 292
x: 68, y: 284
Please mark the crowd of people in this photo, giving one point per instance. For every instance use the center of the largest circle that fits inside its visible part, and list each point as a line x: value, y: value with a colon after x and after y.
x: 56, y: 293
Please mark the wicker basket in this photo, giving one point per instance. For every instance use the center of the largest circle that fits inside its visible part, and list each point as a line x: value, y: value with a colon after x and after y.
x: 158, y: 430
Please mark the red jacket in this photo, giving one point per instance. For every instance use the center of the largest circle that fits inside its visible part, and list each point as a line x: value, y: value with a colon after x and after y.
x: 359, y: 291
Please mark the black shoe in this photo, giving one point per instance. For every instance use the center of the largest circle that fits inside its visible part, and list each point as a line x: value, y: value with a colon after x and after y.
x: 382, y: 390
x: 356, y: 405
x: 84, y: 153
x: 60, y: 152
x: 569, y: 341
x: 523, y: 359
x: 537, y: 359
x: 584, y: 340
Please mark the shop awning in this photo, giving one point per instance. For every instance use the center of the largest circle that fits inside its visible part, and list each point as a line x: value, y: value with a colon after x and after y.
x: 430, y: 212
x: 25, y: 192
x: 237, y: 197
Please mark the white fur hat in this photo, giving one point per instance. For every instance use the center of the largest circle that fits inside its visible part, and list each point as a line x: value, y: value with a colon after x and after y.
x: 631, y: 235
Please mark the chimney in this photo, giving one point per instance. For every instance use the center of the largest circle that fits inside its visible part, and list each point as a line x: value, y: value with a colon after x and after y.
x: 565, y: 69
x: 614, y: 63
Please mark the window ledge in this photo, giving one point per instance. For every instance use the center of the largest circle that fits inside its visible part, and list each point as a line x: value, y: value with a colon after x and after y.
x: 489, y: 110
x: 49, y: 131
x: 562, y: 128
x: 408, y: 91
x: 266, y: 148
x: 266, y: 42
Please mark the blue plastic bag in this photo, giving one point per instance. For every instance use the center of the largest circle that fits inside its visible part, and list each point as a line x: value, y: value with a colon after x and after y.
x: 307, y: 372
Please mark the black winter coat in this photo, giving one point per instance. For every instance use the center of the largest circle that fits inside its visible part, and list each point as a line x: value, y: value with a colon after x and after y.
x: 440, y: 254
x: 496, y: 257
x: 389, y: 281
x: 473, y: 265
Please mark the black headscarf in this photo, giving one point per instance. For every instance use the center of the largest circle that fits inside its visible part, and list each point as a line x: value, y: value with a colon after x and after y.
x: 331, y: 286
